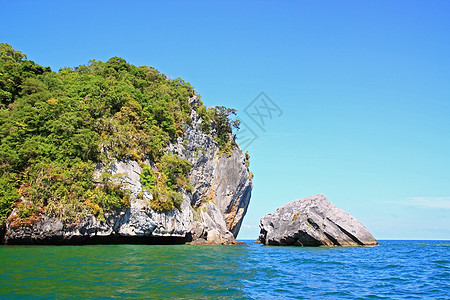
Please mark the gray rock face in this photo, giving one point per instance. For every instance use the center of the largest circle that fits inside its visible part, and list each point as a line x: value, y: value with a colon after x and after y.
x: 213, y: 211
x: 313, y: 221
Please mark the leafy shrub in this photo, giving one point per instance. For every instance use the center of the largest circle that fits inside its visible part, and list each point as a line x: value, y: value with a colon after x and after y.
x: 165, y: 188
x: 8, y: 197
x: 147, y: 177
x: 189, y: 187
x: 221, y: 118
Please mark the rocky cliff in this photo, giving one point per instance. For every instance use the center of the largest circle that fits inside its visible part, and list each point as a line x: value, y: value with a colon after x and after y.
x: 313, y: 221
x: 212, y: 211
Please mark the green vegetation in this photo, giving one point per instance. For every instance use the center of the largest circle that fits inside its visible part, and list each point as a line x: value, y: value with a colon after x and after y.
x: 147, y: 177
x: 221, y: 117
x: 55, y: 128
x: 247, y: 159
x: 165, y: 185
x: 172, y: 176
x: 223, y: 124
x: 8, y: 196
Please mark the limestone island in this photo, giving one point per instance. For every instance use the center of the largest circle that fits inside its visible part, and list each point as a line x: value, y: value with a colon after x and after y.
x: 110, y: 152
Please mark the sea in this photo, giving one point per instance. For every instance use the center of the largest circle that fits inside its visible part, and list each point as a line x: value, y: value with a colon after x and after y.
x: 393, y: 270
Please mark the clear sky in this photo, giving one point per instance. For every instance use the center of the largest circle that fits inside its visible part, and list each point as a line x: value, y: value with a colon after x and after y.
x: 363, y: 89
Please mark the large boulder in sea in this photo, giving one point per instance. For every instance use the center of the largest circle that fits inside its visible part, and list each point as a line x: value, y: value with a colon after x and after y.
x: 313, y: 221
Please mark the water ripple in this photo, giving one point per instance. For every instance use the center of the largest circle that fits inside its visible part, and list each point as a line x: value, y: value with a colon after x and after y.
x: 396, y: 269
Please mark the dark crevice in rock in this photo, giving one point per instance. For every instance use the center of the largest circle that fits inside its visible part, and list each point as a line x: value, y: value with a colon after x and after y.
x: 273, y: 243
x: 332, y: 239
x: 189, y: 237
x: 313, y: 224
x: 350, y: 235
x: 301, y: 238
x: 306, y: 239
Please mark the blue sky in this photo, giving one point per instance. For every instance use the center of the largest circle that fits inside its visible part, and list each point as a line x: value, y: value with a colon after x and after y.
x: 364, y: 90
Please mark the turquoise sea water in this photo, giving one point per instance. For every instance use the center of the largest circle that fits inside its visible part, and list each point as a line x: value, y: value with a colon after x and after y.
x: 396, y: 269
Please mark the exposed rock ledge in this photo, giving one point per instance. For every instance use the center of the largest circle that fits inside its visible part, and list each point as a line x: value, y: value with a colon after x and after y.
x: 212, y: 212
x: 313, y: 221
